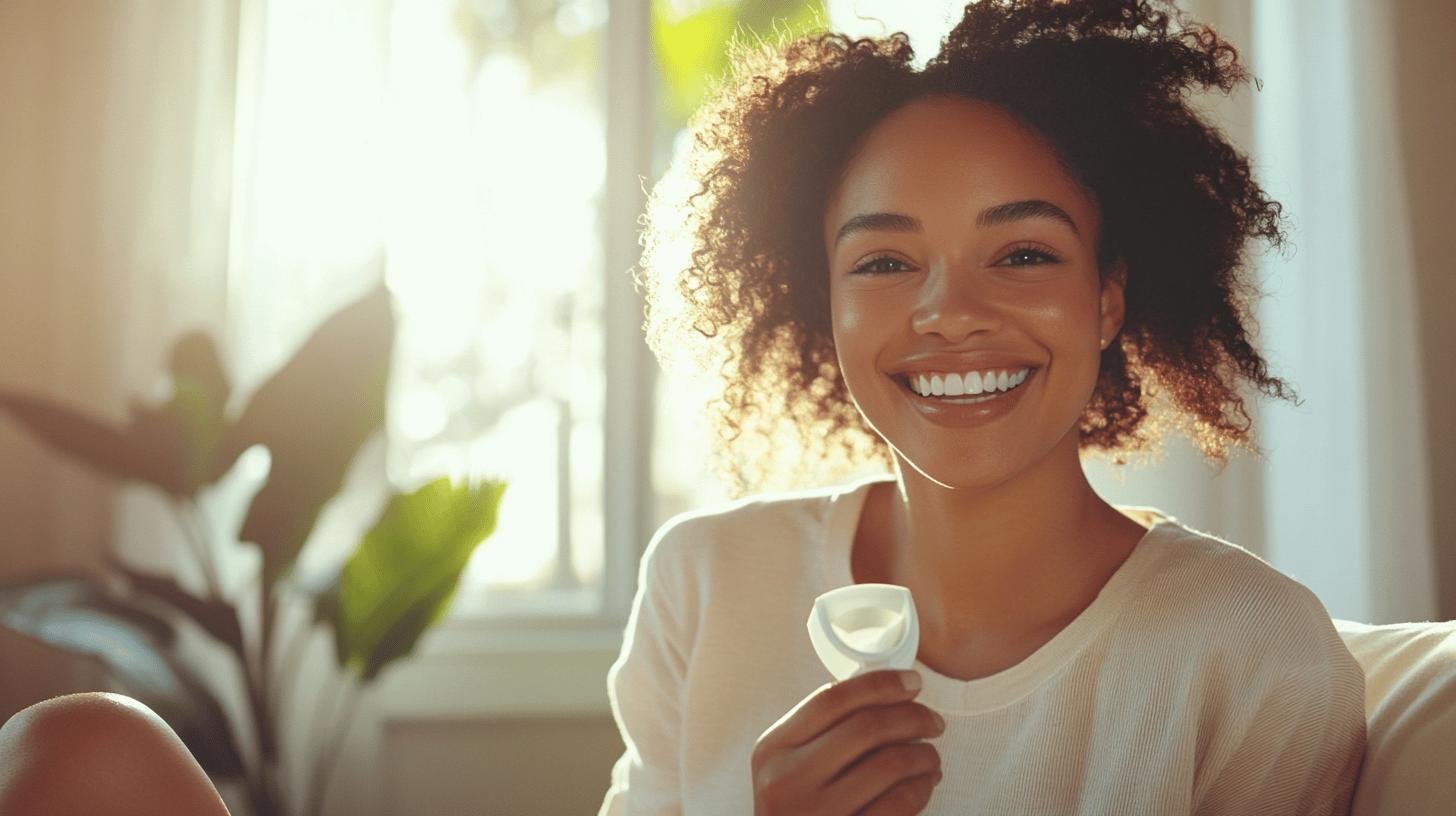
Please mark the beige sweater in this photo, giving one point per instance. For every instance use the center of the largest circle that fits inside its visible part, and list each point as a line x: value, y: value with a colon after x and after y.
x: 1201, y: 680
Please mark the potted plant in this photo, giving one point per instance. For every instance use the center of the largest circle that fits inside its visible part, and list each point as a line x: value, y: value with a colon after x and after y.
x: 312, y: 416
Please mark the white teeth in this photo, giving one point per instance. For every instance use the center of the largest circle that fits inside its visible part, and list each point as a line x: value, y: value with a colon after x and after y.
x: 973, y: 382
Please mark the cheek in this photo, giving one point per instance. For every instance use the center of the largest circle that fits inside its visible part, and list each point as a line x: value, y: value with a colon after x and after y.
x: 1062, y: 320
x: 1057, y: 323
x: 857, y: 332
x: 849, y: 314
x: 853, y: 320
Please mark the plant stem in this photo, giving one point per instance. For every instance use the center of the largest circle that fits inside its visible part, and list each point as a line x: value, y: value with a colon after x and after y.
x: 324, y: 765
x: 264, y: 787
x: 262, y: 710
x: 323, y: 712
x: 288, y: 665
x: 185, y: 512
x: 204, y: 539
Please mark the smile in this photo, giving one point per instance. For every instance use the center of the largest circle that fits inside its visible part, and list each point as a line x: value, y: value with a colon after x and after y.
x: 974, y: 384
x: 969, y: 410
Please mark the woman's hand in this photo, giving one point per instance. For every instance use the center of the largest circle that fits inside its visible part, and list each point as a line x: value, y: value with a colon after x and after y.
x: 849, y: 748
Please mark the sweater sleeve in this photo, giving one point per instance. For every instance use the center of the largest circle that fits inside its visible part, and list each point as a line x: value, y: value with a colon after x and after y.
x: 1301, y: 751
x: 644, y: 688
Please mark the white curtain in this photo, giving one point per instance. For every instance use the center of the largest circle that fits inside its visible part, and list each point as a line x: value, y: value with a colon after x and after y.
x: 116, y: 124
x: 1349, y: 506
x: 132, y: 209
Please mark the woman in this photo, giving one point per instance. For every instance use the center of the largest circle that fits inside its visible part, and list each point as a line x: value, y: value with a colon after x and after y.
x: 1028, y: 250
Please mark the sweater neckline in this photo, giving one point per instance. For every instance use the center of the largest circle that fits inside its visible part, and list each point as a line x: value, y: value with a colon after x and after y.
x: 953, y: 695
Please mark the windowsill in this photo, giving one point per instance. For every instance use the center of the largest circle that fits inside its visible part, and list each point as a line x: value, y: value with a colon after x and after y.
x: 474, y: 666
x: 526, y: 606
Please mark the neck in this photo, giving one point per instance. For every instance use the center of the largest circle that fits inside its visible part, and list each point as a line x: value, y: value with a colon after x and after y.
x: 1000, y: 561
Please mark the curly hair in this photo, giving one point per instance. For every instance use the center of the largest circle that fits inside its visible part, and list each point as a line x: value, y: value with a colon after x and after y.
x: 736, y: 224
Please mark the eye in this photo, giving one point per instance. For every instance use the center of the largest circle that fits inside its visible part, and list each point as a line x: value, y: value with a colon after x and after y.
x: 1032, y: 252
x: 880, y: 265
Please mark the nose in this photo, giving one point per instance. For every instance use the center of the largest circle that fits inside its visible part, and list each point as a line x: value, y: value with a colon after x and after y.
x: 953, y: 304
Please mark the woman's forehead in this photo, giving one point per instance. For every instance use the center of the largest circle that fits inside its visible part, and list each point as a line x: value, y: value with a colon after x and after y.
x: 945, y: 155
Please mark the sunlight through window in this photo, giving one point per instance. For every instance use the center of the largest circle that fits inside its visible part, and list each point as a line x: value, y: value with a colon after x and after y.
x: 494, y: 257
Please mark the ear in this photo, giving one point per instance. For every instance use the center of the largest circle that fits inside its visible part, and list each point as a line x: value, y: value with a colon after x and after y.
x: 1113, y: 306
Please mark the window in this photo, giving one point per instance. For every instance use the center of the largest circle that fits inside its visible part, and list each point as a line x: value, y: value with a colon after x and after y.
x: 495, y: 259
x: 457, y: 149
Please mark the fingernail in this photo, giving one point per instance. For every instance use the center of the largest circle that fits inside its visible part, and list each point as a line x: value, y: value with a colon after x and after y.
x: 939, y: 720
x: 938, y: 777
x: 911, y: 680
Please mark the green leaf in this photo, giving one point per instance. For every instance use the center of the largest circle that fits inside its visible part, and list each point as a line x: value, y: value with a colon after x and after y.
x: 148, y: 453
x: 169, y: 445
x: 74, y: 613
x: 402, y: 577
x: 200, y: 391
x: 217, y: 618
x: 313, y: 415
x: 692, y: 49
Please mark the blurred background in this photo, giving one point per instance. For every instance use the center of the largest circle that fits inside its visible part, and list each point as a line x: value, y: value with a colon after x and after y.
x: 249, y: 168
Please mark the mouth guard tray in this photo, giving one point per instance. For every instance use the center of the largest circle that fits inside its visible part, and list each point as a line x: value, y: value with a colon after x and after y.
x: 865, y: 627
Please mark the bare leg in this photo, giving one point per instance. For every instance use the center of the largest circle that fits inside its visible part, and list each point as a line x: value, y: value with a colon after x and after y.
x: 99, y: 753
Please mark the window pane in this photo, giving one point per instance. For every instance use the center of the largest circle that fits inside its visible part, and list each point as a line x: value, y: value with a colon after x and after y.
x: 497, y: 126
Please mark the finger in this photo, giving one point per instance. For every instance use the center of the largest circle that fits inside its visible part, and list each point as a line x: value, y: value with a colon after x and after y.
x: 832, y: 752
x: 909, y: 796
x: 884, y: 769
x: 832, y: 702
x: 878, y: 773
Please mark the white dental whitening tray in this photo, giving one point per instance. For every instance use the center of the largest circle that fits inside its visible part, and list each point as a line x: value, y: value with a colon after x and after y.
x: 863, y: 628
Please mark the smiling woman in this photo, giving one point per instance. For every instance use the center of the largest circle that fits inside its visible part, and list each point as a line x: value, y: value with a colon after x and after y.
x: 1016, y: 292
x: 974, y: 273
x: 1176, y: 204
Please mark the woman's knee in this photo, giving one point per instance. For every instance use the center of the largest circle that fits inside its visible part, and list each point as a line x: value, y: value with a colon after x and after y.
x: 98, y: 753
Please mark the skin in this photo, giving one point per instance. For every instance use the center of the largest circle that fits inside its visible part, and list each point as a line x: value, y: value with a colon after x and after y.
x: 994, y: 528
x: 95, y: 753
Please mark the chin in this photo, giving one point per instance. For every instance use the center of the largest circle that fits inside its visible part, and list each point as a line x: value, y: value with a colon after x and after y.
x: 954, y: 471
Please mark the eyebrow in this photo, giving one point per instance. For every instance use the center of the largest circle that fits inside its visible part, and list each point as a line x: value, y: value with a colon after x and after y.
x: 989, y: 217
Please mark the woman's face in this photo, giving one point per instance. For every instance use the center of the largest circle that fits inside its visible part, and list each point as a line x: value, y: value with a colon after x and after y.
x: 931, y: 273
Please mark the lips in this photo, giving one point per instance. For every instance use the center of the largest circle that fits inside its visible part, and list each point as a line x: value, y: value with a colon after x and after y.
x: 969, y: 412
x: 942, y: 363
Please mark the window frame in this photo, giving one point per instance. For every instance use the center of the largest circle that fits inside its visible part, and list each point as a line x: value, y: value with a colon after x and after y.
x: 494, y: 663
